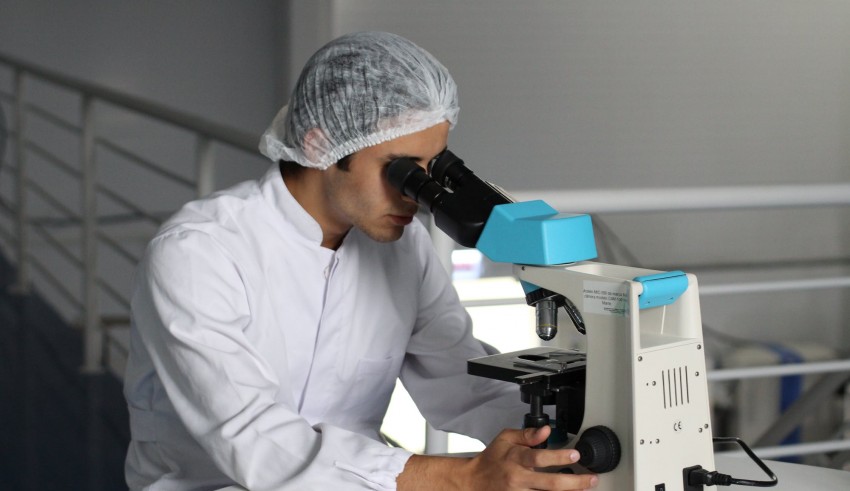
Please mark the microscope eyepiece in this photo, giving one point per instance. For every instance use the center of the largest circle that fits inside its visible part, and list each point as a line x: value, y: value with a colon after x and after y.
x: 408, y: 177
x: 460, y: 202
x: 448, y: 170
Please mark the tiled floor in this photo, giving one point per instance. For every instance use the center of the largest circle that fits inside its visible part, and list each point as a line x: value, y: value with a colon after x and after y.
x: 61, y: 430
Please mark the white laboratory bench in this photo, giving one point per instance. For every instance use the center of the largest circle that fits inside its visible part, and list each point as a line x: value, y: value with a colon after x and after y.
x: 792, y: 477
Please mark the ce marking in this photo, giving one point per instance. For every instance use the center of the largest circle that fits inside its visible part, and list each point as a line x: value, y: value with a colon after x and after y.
x: 677, y: 426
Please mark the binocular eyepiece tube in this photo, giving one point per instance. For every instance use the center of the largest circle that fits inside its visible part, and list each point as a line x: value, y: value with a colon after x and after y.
x: 408, y: 177
x: 460, y: 202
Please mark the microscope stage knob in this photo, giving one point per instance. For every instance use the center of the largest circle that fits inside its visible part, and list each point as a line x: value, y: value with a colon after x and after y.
x: 599, y: 448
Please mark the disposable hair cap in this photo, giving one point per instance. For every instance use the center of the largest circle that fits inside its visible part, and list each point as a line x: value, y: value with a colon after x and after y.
x: 360, y: 90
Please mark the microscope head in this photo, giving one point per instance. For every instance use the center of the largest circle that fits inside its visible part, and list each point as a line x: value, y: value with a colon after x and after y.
x: 478, y: 214
x: 460, y: 202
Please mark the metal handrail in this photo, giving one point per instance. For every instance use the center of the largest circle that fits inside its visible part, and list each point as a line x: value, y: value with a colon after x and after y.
x: 63, y: 251
x: 49, y: 116
x: 115, y: 294
x: 206, y: 133
x: 795, y: 449
x: 147, y: 164
x: 775, y: 286
x: 811, y: 368
x: 128, y: 204
x: 710, y: 290
x: 48, y: 198
x: 129, y: 256
x: 53, y: 159
x: 225, y: 134
x: 648, y: 200
x: 56, y: 282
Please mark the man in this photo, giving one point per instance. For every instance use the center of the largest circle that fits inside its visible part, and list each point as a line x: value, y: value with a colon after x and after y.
x: 271, y: 320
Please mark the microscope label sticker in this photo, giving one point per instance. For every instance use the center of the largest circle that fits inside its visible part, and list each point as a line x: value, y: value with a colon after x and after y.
x: 606, y: 298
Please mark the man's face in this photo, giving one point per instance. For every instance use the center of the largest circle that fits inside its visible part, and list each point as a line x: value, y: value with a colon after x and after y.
x: 362, y: 197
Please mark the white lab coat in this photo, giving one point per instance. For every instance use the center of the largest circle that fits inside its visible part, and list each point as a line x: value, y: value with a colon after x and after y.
x: 259, y: 357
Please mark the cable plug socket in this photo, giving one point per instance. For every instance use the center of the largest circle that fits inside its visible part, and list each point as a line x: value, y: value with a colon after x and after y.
x: 696, y: 477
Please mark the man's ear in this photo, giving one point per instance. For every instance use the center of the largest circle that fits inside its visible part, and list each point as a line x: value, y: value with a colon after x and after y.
x: 315, y: 144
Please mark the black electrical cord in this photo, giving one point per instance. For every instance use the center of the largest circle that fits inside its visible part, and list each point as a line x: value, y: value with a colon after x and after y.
x: 698, y: 476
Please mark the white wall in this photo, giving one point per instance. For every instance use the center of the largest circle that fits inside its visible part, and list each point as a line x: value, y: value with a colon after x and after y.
x: 638, y: 93
x: 213, y: 59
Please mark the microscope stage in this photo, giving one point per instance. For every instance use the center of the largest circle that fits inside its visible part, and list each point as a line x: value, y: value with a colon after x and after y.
x: 554, y: 366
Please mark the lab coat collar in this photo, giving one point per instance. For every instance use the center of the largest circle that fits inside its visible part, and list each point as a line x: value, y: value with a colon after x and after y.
x: 274, y: 190
x: 278, y: 196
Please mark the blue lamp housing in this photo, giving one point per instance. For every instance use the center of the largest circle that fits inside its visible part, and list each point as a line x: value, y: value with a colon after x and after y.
x: 532, y: 232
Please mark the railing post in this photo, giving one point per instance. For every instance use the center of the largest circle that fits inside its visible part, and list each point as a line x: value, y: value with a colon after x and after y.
x: 22, y: 285
x: 436, y: 441
x: 204, y: 166
x: 93, y: 349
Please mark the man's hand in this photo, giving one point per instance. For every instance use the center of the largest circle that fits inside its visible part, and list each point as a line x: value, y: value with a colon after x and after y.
x: 508, y: 463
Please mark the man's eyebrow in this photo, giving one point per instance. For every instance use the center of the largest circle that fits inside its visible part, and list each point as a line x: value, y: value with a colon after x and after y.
x: 394, y: 156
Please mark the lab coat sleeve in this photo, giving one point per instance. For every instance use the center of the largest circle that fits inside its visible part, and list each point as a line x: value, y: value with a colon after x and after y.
x: 190, y: 309
x: 434, y: 370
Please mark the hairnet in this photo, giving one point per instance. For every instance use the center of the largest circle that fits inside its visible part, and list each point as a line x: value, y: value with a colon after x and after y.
x: 357, y: 91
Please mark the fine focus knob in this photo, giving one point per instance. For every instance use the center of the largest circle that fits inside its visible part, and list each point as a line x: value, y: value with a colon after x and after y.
x: 599, y: 448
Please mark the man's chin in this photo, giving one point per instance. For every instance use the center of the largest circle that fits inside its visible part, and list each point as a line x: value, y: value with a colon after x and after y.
x: 384, y: 235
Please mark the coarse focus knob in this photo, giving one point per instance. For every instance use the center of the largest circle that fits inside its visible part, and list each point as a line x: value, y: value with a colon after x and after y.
x: 599, y: 448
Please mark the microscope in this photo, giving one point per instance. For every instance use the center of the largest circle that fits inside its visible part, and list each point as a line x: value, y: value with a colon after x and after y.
x: 635, y: 403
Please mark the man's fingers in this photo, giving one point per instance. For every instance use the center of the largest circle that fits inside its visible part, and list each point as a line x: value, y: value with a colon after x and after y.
x: 553, y: 481
x: 536, y: 458
x: 529, y: 457
x: 510, y: 460
x: 529, y: 437
x: 536, y: 436
x: 564, y: 481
